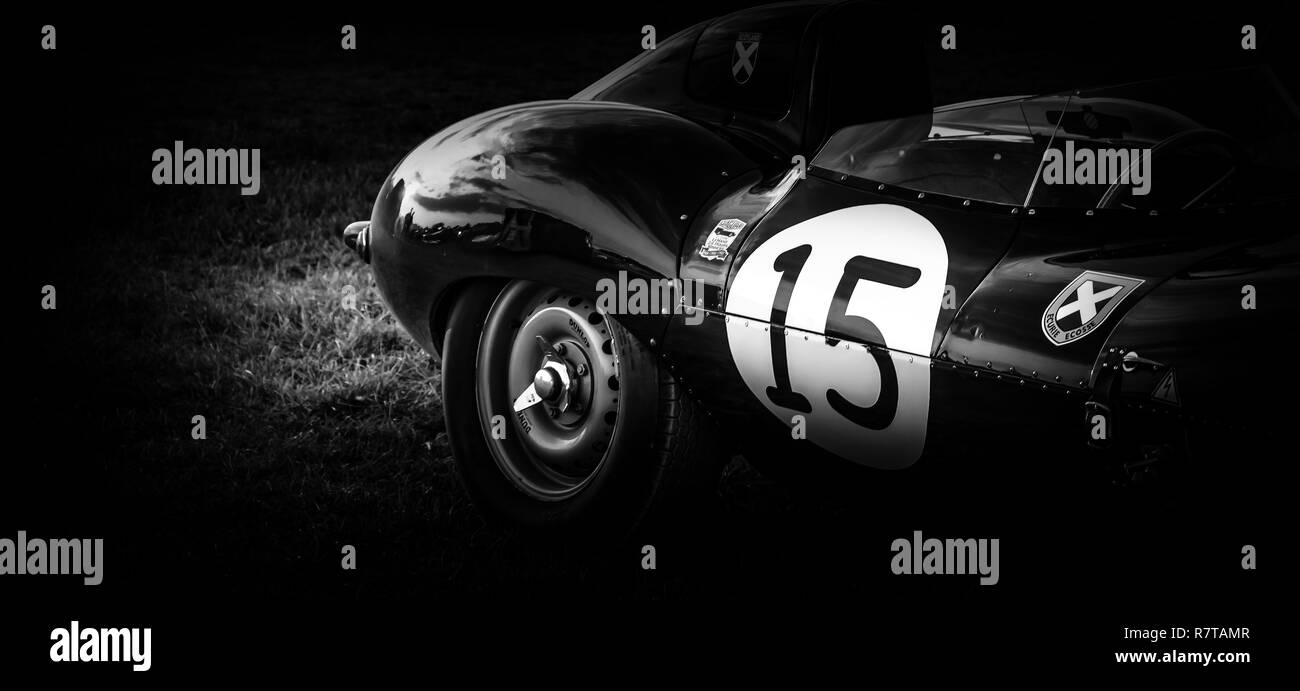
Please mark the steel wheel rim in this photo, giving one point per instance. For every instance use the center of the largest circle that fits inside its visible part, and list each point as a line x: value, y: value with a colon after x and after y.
x: 545, y: 453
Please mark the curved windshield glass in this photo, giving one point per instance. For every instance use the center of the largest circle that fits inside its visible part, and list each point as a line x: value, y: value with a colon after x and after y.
x: 1229, y: 137
x: 979, y: 151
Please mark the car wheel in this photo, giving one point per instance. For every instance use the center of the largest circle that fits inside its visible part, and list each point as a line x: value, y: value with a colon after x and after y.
x: 560, y: 420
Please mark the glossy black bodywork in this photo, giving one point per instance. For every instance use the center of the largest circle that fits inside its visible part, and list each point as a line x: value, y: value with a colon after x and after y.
x: 582, y: 191
x: 1232, y: 363
x: 995, y: 376
x: 636, y: 172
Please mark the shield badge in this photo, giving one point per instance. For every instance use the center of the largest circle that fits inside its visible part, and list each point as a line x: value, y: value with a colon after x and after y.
x: 745, y: 57
x: 1084, y: 305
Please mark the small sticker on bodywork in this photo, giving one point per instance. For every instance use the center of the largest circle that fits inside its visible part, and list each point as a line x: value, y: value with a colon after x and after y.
x: 716, y: 246
x: 1167, y: 389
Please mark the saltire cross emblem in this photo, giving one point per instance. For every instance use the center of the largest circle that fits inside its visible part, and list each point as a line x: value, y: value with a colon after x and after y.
x: 1084, y: 305
x: 745, y: 57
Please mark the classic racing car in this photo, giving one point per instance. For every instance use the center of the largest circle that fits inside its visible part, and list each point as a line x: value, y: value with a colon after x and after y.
x: 849, y: 276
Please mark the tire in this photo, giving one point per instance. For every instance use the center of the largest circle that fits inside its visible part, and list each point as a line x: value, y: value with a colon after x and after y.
x: 630, y: 449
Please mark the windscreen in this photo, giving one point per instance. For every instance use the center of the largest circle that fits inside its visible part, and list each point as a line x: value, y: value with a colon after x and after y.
x: 1227, y: 137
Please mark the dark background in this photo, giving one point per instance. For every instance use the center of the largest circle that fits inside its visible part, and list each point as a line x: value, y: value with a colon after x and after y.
x: 324, y: 426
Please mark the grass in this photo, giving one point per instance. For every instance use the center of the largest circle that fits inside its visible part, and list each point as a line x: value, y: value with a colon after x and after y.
x: 323, y: 422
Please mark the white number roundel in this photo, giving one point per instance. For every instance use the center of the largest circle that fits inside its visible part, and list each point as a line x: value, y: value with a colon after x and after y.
x: 863, y: 274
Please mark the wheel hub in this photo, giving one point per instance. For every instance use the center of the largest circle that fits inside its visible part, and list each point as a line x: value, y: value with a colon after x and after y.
x: 548, y: 385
